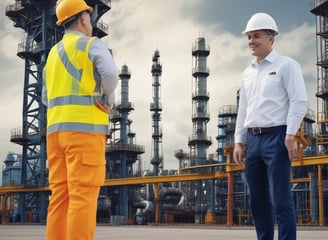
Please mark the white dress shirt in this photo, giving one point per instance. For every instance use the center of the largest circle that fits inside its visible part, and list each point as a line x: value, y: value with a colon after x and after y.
x: 272, y: 93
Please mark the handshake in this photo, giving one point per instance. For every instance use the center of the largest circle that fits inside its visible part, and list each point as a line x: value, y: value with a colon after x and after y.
x: 102, y: 103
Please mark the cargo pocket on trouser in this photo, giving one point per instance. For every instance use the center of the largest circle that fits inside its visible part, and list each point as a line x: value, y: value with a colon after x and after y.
x: 91, y: 170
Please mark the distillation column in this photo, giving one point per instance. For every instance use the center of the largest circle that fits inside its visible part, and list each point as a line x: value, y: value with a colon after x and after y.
x: 124, y: 107
x: 122, y: 153
x: 199, y: 141
x: 156, y: 108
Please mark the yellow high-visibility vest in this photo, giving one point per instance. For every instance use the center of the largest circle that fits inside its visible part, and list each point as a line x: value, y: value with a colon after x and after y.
x: 72, y: 88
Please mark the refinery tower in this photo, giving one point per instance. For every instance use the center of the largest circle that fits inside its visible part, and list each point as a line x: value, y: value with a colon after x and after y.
x: 122, y: 152
x: 156, y: 108
x: 200, y: 141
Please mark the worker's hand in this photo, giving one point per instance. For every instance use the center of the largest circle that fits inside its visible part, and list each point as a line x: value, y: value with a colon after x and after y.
x: 103, y: 107
x: 291, y: 146
x: 238, y: 154
x: 101, y: 102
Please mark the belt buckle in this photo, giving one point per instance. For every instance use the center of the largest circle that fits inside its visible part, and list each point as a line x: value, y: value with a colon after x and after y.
x: 257, y: 130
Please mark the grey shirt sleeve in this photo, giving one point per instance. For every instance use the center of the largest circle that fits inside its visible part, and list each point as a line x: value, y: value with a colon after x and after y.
x: 106, y: 68
x: 44, y: 97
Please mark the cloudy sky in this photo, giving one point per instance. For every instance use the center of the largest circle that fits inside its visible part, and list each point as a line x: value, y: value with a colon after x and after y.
x: 138, y: 27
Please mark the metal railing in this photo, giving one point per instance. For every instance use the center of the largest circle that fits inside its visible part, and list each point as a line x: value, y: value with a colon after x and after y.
x: 228, y: 109
x: 125, y: 147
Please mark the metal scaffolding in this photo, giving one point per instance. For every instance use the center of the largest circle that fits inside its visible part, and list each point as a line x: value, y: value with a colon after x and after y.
x: 156, y: 108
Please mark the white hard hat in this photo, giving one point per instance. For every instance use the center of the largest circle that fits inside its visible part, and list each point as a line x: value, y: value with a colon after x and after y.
x: 261, y: 21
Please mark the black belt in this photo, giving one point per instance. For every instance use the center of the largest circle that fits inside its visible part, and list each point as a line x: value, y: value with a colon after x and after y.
x: 260, y: 130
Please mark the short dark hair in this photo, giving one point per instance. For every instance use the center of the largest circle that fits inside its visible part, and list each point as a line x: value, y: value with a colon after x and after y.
x: 72, y: 21
x: 270, y: 32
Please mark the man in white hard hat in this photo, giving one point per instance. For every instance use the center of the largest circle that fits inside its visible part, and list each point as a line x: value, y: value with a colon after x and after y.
x: 272, y: 105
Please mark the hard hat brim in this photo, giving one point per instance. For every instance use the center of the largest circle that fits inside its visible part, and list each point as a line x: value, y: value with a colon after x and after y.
x: 246, y: 31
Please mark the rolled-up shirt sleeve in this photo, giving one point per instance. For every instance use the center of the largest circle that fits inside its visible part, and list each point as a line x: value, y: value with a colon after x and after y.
x: 105, y: 68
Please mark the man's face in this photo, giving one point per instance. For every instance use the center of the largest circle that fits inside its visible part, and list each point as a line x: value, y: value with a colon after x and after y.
x: 260, y: 43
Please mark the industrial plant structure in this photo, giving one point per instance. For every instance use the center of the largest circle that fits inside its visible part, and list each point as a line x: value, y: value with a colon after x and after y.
x: 206, y: 188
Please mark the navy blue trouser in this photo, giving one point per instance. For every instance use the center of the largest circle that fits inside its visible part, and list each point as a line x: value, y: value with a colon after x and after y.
x: 268, y: 175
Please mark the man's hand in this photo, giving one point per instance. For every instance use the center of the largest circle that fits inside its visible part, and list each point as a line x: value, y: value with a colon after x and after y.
x: 103, y: 107
x: 102, y: 103
x: 238, y: 154
x: 291, y: 146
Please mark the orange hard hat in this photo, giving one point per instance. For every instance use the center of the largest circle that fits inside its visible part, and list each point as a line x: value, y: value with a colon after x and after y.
x: 66, y: 9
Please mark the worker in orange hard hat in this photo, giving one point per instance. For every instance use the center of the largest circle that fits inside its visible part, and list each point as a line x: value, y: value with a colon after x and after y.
x: 69, y: 10
x: 79, y: 80
x: 272, y: 105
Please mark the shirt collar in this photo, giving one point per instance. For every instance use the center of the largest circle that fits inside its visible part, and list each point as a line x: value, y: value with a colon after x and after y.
x: 74, y: 32
x: 269, y: 58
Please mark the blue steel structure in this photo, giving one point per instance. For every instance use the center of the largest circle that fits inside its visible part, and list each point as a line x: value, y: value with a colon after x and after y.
x: 11, y: 173
x: 37, y: 18
x: 122, y: 151
x: 199, y: 141
x: 226, y: 128
x: 156, y: 108
x: 170, y: 198
x: 320, y: 10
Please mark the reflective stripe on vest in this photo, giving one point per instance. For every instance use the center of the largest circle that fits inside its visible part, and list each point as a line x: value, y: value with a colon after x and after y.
x: 76, y: 73
x: 72, y: 88
x: 66, y: 100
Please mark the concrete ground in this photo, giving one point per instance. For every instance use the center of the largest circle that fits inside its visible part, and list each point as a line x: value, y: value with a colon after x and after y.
x: 165, y: 232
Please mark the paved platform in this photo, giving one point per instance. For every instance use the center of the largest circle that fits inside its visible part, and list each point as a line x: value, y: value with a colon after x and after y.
x: 133, y: 232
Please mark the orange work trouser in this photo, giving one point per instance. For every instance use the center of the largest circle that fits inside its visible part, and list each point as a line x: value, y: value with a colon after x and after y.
x: 76, y: 171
